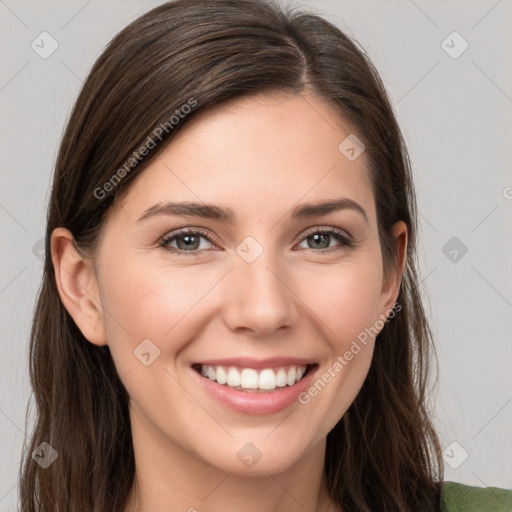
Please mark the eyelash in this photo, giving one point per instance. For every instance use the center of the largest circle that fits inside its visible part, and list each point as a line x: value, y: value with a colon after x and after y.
x: 346, y: 242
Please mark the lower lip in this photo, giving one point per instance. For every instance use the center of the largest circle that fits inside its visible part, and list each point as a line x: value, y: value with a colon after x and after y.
x: 258, y: 403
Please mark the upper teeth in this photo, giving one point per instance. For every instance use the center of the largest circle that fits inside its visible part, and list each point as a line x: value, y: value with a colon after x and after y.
x: 249, y: 378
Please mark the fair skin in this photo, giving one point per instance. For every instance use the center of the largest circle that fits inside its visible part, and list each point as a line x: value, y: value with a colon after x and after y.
x: 261, y: 157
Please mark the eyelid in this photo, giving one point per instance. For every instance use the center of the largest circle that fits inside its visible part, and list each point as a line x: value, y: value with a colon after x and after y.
x: 325, y: 229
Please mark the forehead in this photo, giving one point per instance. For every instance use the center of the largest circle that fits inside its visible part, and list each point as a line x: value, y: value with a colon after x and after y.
x: 265, y: 151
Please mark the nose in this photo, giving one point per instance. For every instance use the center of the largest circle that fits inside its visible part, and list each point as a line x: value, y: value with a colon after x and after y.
x: 260, y: 298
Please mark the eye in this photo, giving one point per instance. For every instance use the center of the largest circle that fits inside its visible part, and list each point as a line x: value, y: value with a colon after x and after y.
x: 320, y: 240
x: 190, y: 241
x: 187, y: 240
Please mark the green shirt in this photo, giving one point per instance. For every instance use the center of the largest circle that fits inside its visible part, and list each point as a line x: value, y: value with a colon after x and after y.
x: 457, y: 497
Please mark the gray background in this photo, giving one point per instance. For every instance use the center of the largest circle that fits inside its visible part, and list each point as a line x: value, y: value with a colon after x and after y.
x: 455, y: 114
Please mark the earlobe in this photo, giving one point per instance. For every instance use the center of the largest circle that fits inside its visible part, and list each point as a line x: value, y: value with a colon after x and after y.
x: 77, y: 284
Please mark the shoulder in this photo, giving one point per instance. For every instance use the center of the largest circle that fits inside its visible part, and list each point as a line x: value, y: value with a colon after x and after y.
x: 456, y: 497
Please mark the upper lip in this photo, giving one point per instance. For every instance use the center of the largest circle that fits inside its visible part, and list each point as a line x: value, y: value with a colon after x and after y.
x: 249, y: 362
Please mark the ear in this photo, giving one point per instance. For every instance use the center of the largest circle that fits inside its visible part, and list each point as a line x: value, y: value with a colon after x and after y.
x: 391, y: 282
x: 78, y: 286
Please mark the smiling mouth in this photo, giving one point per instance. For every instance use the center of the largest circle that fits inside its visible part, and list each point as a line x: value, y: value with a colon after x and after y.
x: 253, y: 380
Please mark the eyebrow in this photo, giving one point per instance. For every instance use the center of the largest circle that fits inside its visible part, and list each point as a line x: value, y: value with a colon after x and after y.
x: 227, y: 215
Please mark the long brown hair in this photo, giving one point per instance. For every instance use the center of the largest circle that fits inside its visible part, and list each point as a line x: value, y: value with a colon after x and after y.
x: 384, y: 453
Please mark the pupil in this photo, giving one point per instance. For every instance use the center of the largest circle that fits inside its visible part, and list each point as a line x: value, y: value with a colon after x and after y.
x: 322, y: 236
x: 189, y: 240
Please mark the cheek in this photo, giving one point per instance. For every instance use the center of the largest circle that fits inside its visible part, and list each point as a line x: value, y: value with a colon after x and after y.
x: 345, y: 297
x: 160, y: 302
x: 345, y: 300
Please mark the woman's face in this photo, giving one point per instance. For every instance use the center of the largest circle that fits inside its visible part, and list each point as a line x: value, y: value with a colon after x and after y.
x: 273, y: 285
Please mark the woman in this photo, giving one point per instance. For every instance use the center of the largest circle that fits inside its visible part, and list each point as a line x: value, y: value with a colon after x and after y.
x: 229, y: 316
